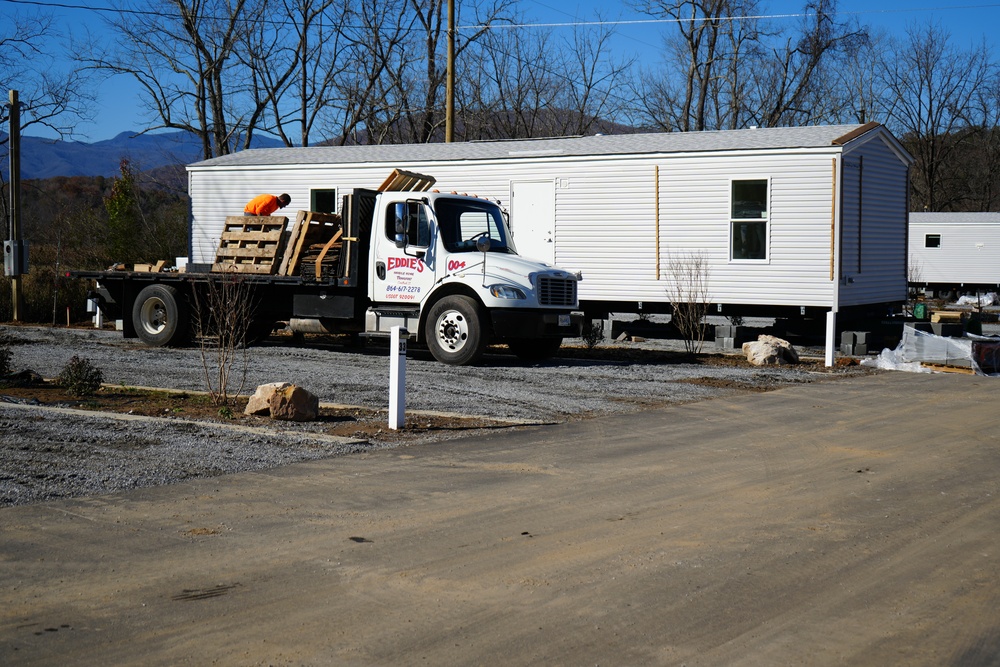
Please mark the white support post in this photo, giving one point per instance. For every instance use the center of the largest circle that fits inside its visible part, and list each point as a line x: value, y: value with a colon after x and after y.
x: 397, y: 378
x: 831, y: 337
x: 92, y: 307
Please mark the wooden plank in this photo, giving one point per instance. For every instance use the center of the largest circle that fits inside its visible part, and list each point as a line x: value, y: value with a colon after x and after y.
x: 322, y: 254
x: 261, y: 237
x: 946, y: 316
x: 246, y: 252
x: 264, y: 269
x: 407, y: 181
x: 293, y: 241
x: 293, y: 264
x: 941, y: 368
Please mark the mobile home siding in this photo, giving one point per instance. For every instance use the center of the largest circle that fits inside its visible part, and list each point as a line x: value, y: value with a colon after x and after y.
x: 969, y: 253
x: 874, y: 183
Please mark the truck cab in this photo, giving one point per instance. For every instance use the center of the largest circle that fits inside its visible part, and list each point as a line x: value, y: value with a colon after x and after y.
x: 444, y: 267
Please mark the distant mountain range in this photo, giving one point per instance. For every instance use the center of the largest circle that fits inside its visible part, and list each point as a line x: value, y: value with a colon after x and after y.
x: 45, y: 158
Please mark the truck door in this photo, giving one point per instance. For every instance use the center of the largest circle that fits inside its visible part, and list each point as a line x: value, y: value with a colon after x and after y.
x: 533, y: 219
x: 403, y: 274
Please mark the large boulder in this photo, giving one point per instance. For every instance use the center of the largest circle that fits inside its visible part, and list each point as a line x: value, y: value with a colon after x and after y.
x: 770, y: 351
x: 293, y: 403
x: 260, y: 402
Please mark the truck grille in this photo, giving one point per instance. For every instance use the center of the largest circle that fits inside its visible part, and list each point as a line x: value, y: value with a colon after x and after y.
x: 556, y: 292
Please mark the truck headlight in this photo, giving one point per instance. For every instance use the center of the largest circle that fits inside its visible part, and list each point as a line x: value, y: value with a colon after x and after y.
x: 506, y: 292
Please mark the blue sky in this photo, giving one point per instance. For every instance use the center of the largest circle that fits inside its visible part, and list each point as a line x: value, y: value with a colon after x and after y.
x: 967, y: 22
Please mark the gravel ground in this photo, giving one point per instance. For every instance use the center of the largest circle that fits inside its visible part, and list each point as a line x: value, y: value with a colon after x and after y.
x: 49, y: 453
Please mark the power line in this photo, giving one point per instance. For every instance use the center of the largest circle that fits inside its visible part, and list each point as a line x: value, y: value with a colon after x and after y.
x: 755, y: 17
x: 566, y: 24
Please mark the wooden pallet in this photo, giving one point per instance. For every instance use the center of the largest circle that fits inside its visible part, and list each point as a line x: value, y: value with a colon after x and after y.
x: 250, y: 244
x: 310, y: 228
x: 943, y: 368
x: 407, y: 181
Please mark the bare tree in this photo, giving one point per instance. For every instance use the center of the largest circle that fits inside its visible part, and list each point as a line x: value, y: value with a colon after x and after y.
x: 369, y: 93
x: 933, y: 87
x: 687, y: 288
x: 181, y: 53
x: 505, y: 88
x: 50, y: 97
x: 791, y: 85
x: 593, y: 77
x: 696, y: 50
x: 223, y: 319
x: 421, y: 85
x: 857, y: 83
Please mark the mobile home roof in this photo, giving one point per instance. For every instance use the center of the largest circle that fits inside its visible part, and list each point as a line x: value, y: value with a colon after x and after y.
x: 955, y: 218
x: 617, y: 144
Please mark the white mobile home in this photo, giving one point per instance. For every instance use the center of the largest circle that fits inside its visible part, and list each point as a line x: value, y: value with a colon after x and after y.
x: 789, y: 221
x: 955, y: 251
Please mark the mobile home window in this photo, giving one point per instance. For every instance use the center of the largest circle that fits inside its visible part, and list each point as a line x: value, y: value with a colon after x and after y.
x: 748, y: 219
x: 323, y: 201
x: 932, y: 240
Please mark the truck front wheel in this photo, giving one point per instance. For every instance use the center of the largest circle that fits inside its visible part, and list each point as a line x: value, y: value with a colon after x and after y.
x: 158, y: 317
x: 454, y: 331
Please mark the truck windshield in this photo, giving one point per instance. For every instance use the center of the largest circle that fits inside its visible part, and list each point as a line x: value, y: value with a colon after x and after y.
x: 462, y: 222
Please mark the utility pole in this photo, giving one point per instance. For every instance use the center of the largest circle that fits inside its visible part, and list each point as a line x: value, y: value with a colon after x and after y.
x: 449, y: 94
x: 14, y: 254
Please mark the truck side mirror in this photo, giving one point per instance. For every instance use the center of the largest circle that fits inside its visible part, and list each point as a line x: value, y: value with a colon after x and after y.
x: 483, y: 244
x: 400, y: 240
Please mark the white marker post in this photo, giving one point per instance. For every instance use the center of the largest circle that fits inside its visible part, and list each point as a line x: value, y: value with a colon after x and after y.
x: 397, y: 378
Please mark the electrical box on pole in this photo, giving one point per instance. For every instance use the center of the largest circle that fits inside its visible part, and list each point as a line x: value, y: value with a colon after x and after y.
x: 15, y: 258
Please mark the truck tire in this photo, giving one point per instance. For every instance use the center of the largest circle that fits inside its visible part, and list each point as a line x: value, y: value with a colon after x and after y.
x: 534, y: 349
x: 454, y: 331
x: 158, y: 316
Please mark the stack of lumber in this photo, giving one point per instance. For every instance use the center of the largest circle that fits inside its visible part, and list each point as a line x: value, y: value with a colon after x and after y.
x: 313, y: 245
x: 407, y: 181
x: 250, y: 244
x: 947, y: 316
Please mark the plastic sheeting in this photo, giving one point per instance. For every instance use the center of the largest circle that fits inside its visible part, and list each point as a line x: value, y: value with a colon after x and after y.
x: 981, y: 354
x: 987, y: 299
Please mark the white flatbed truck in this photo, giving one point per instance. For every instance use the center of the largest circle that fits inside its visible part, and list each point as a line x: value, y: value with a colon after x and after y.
x: 442, y: 266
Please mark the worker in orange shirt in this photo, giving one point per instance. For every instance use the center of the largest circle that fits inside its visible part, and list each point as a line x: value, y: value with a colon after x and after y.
x: 266, y: 204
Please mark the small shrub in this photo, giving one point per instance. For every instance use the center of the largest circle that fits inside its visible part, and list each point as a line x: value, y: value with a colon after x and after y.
x: 80, y: 377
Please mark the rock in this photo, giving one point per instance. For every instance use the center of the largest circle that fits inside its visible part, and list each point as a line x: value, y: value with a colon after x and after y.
x: 292, y: 403
x: 770, y: 351
x: 260, y: 402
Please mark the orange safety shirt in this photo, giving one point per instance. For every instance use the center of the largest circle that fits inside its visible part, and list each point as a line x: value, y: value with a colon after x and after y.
x: 262, y: 205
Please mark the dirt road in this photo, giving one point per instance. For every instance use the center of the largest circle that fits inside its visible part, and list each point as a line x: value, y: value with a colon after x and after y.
x: 851, y: 522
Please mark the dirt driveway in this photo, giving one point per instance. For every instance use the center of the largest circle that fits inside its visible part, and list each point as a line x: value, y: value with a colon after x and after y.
x: 849, y: 522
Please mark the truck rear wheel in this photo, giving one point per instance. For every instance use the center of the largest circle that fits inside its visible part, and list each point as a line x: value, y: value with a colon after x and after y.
x: 454, y: 331
x: 158, y: 316
x: 534, y: 349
